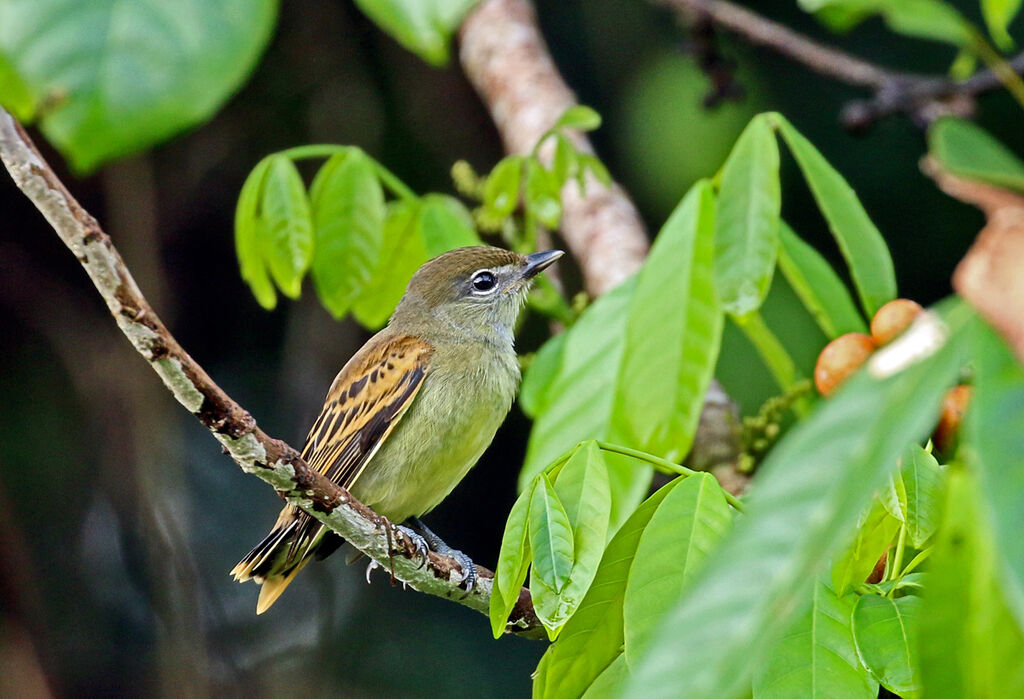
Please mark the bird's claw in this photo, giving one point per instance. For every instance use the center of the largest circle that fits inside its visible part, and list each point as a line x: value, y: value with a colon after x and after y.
x: 369, y: 569
x: 420, y: 547
x: 468, y: 570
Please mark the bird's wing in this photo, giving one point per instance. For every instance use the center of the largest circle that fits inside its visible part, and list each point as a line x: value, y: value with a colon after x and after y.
x: 366, y: 401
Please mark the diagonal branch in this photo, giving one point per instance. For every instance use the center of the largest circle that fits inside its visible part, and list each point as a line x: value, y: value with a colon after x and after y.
x: 253, y: 450
x: 922, y: 97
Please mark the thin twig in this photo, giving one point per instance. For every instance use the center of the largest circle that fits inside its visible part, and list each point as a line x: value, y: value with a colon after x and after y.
x: 922, y: 97
x: 254, y: 451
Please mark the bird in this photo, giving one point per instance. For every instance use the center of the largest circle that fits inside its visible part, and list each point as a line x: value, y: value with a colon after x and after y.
x: 413, y: 410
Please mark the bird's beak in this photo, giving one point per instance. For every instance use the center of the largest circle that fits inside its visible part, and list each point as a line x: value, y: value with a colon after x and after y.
x: 539, y: 261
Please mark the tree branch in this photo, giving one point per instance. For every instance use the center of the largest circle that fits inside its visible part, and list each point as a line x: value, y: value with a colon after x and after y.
x: 254, y: 451
x: 922, y: 97
x: 506, y: 59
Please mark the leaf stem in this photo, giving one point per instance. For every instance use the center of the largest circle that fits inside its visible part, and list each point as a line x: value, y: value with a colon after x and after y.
x: 663, y: 465
x: 897, y: 561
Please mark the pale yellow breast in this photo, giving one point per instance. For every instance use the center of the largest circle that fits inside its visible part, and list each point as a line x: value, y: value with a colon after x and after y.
x: 450, y: 423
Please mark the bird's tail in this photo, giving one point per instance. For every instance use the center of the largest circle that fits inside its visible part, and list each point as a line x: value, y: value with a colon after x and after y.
x: 276, y: 560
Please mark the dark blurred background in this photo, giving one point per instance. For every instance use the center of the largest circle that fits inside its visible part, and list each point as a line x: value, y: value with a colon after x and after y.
x: 120, y: 518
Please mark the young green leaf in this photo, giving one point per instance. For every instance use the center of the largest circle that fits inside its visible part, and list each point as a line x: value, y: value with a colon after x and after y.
x: 747, y: 220
x: 591, y: 163
x: 690, y: 522
x: 15, y: 96
x: 582, y: 488
x: 402, y: 253
x: 444, y: 225
x: 129, y: 75
x: 998, y: 16
x: 551, y: 538
x: 540, y: 375
x: 970, y: 644
x: 922, y: 481
x: 859, y: 240
x: 501, y: 191
x: 673, y: 333
x: 579, y: 401
x: 542, y: 194
x: 348, y: 218
x: 425, y: 27
x: 247, y: 246
x: 609, y: 683
x: 563, y: 160
x: 874, y: 534
x: 812, y: 487
x: 815, y: 656
x: 285, y: 225
x: 967, y: 150
x: 816, y: 284
x: 922, y: 19
x: 592, y: 639
x: 886, y: 631
x: 513, y: 560
x: 580, y: 117
x: 994, y: 438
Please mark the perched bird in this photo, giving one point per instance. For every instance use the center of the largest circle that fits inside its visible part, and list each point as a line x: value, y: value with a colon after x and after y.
x: 413, y: 409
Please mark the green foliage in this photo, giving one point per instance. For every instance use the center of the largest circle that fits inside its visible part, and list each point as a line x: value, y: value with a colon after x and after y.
x: 967, y: 150
x: 116, y: 78
x: 874, y: 534
x: 885, y: 631
x: 812, y: 487
x: 815, y: 656
x: 970, y: 645
x: 921, y: 19
x: 669, y: 357
x: 425, y: 27
x: 818, y: 286
x: 922, y: 483
x: 859, y: 240
x: 998, y: 16
x: 15, y: 96
x: 747, y: 220
x: 360, y: 248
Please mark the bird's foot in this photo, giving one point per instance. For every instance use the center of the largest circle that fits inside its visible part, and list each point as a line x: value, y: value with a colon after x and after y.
x: 419, y: 545
x: 438, y: 546
x: 370, y: 568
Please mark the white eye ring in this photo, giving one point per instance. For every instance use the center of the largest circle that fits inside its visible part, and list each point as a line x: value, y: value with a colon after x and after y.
x: 483, y: 282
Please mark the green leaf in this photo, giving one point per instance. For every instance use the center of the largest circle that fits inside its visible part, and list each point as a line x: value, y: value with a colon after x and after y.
x: 501, y: 191
x: 965, y: 149
x: 563, y: 160
x: 122, y: 76
x: 445, y: 224
x: 747, y: 220
x: 994, y: 436
x: 513, y: 560
x: 579, y: 401
x: 551, y: 538
x: 402, y: 253
x: 819, y: 288
x: 540, y: 375
x: 582, y: 488
x: 811, y: 489
x: 815, y: 656
x: 424, y: 27
x: 671, y: 348
x: 579, y: 117
x: 285, y: 225
x: 690, y: 522
x: 609, y: 683
x: 874, y: 534
x: 587, y: 162
x: 922, y: 19
x: 15, y: 96
x: 998, y: 16
x: 542, y: 194
x: 970, y: 644
x: 922, y: 481
x: 247, y: 245
x: 592, y: 639
x: 348, y: 219
x: 885, y: 631
x: 859, y: 241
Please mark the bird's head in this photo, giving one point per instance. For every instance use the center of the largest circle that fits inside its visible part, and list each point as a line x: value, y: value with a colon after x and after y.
x: 479, y: 289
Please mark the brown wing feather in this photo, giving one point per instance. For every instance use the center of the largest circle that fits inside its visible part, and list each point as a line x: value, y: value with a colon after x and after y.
x: 367, y: 399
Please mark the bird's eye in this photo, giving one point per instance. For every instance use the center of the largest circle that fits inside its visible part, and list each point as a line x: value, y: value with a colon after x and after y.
x: 483, y: 281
